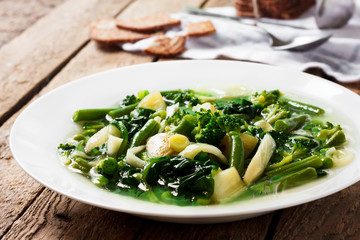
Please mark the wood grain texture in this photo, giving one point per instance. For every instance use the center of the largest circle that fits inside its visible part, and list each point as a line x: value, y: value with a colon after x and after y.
x: 17, y: 189
x: 254, y: 228
x: 53, y: 216
x: 18, y: 15
x: 331, y: 218
x: 28, y: 60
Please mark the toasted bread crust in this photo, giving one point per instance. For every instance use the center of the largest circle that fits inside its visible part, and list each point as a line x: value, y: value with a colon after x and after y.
x: 105, y: 31
x: 148, y: 23
x: 167, y: 47
x: 199, y: 29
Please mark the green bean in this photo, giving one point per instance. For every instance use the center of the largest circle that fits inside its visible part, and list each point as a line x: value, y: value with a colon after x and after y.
x: 313, y: 161
x: 81, y: 164
x: 187, y: 124
x: 119, y: 112
x: 301, y: 107
x: 160, y: 113
x: 290, y: 124
x: 93, y: 125
x: 125, y: 137
x: 79, y: 137
x: 150, y: 128
x: 90, y: 114
x: 286, y: 181
x: 237, y: 153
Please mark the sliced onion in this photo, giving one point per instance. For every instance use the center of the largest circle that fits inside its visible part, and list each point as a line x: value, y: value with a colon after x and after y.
x: 260, y: 160
x: 132, y: 159
x: 340, y: 157
x: 192, y: 150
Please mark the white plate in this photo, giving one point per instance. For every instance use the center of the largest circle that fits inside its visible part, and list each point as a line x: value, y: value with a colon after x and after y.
x: 47, y: 122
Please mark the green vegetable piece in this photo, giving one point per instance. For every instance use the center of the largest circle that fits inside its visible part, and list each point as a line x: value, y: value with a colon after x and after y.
x: 150, y: 128
x: 97, y: 125
x: 301, y: 107
x: 79, y: 137
x: 186, y: 178
x: 159, y: 113
x: 327, y: 162
x: 89, y: 132
x: 208, y: 129
x: 281, y: 183
x: 142, y: 94
x: 284, y: 161
x: 336, y: 139
x: 187, y: 124
x: 290, y: 124
x: 100, y: 181
x: 265, y: 97
x: 91, y: 114
x: 237, y: 153
x: 313, y: 161
x: 321, y: 173
x: 274, y: 112
x: 81, y: 164
x: 202, y: 156
x: 107, y: 166
x: 125, y: 137
x: 119, y: 112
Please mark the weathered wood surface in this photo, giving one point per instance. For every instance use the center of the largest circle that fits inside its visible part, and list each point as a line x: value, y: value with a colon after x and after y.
x: 29, y: 60
x: 30, y: 211
x: 17, y: 15
x: 331, y: 218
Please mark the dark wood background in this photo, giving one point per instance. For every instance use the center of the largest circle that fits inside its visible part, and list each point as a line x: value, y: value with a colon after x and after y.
x: 44, y: 44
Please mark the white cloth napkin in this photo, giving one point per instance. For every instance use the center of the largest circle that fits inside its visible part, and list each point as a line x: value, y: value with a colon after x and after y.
x: 339, y: 57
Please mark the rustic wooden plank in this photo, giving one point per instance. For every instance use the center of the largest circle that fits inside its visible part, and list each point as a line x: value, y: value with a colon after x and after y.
x: 49, y: 217
x: 17, y: 189
x: 246, y: 229
x: 92, y: 58
x: 18, y: 15
x: 28, y: 60
x: 331, y: 218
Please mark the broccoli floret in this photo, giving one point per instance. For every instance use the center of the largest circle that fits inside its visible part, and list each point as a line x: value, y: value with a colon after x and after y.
x: 231, y: 123
x: 208, y: 130
x: 294, y: 146
x: 184, y: 97
x: 176, y: 118
x: 107, y: 166
x: 66, y: 147
x: 265, y: 98
x: 274, y: 112
x: 239, y: 106
x: 130, y: 99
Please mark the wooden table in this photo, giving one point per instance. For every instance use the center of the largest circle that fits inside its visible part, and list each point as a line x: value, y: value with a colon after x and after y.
x: 43, y: 46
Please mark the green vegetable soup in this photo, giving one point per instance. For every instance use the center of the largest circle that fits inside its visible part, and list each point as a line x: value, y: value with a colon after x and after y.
x: 187, y: 147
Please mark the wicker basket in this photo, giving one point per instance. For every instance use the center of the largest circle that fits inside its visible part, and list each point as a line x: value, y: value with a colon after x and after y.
x: 281, y: 9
